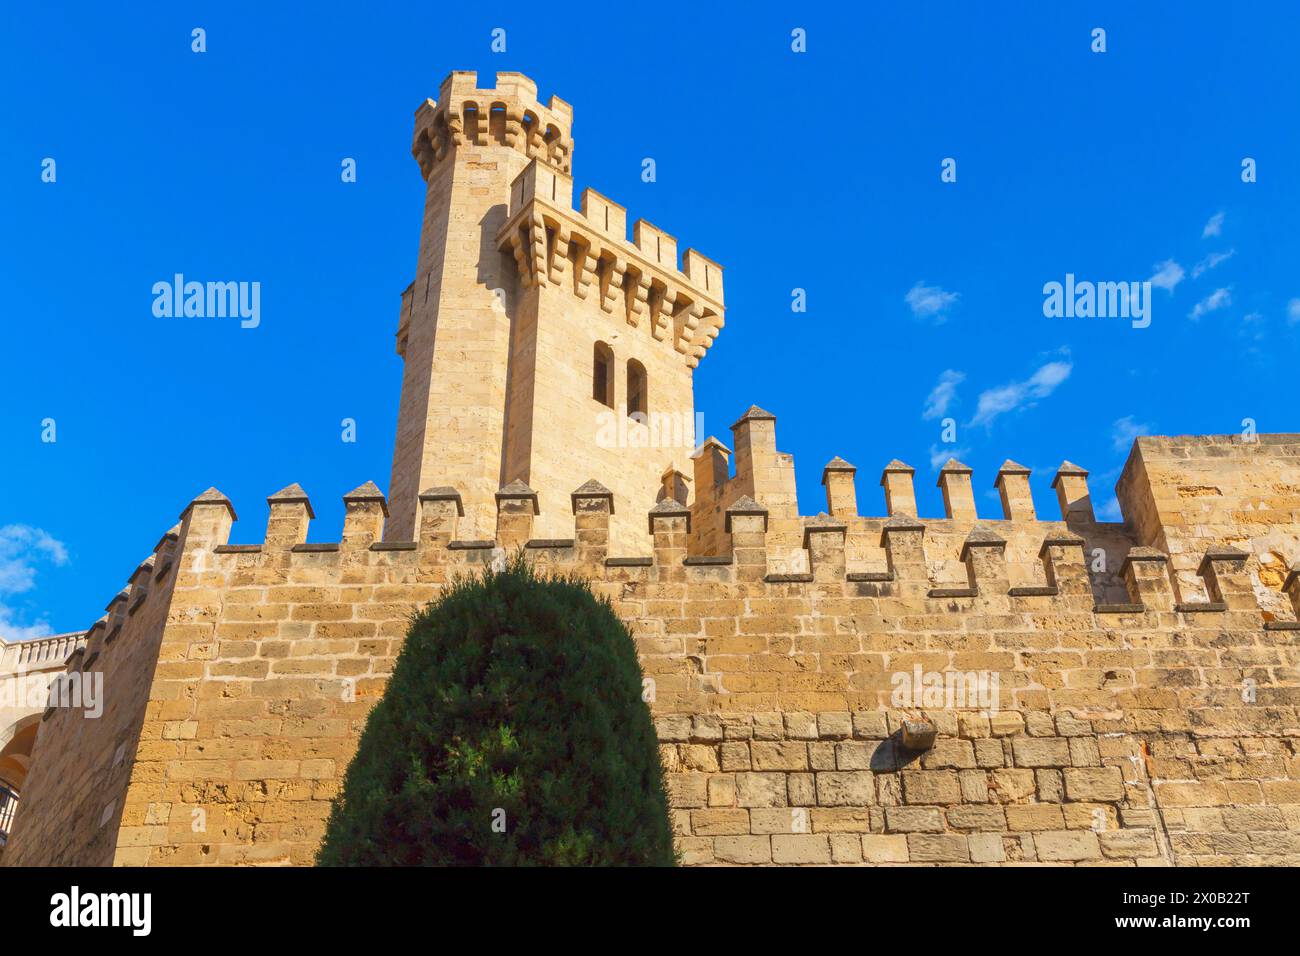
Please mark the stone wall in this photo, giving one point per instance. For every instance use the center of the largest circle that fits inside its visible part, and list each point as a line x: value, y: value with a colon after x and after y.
x: 82, y: 765
x: 1131, y: 724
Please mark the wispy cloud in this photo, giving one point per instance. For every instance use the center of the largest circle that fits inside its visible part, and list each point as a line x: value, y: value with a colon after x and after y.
x: 1216, y: 300
x: 22, y: 550
x: 930, y: 301
x: 1210, y: 261
x: 943, y: 394
x: 1125, y: 430
x: 1293, y: 311
x: 1014, y: 395
x: 1214, y: 227
x: 1167, y: 275
x: 941, y: 453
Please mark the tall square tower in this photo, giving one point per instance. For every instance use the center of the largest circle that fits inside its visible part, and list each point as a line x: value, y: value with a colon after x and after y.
x: 541, y: 345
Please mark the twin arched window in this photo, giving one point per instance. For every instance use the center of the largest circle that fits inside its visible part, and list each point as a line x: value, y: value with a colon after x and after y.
x: 602, y: 382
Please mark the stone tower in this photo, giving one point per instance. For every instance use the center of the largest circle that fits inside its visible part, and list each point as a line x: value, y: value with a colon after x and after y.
x: 541, y: 346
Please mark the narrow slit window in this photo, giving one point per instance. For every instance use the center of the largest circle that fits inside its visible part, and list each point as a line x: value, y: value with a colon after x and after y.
x: 602, y: 375
x: 637, y: 399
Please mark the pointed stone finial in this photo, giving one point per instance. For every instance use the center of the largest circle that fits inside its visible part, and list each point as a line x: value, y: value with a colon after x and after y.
x: 953, y: 467
x: 516, y: 508
x: 1071, y: 484
x: 517, y: 490
x: 711, y: 442
x: 289, y: 495
x: 365, y: 510
x: 837, y: 464
x: 841, y: 494
x: 674, y: 483
x: 822, y: 523
x: 900, y: 496
x: 754, y: 414
x: 902, y: 523
x: 1012, y: 484
x: 745, y: 505
x: 981, y: 537
x: 212, y: 497
x: 443, y: 493
x: 958, y: 495
x: 367, y: 492
x: 592, y: 489
x: 1070, y: 468
x: 668, y: 508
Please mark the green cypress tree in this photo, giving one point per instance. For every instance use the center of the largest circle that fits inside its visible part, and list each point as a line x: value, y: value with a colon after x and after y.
x: 512, y: 732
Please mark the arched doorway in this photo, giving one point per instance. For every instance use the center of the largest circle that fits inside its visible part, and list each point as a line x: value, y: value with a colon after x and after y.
x: 15, y: 757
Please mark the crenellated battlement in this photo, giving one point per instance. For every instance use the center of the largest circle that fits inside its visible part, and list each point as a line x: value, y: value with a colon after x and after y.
x: 509, y: 114
x: 946, y: 566
x: 587, y: 252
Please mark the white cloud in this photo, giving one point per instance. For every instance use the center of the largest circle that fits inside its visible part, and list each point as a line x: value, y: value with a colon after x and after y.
x: 1293, y: 311
x: 1213, y: 227
x: 943, y: 394
x: 1210, y: 261
x: 11, y: 630
x: 1125, y: 430
x: 930, y: 301
x: 1167, y: 275
x: 1005, y: 398
x: 941, y: 453
x: 1212, y: 302
x: 22, y: 549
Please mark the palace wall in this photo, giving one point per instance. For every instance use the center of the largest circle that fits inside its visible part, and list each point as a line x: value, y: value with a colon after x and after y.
x: 1134, y: 721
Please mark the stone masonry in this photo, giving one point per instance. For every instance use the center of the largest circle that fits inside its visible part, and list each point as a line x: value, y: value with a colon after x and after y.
x: 1118, y: 693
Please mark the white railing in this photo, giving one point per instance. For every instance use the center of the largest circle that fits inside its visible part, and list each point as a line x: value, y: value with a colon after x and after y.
x: 41, y: 654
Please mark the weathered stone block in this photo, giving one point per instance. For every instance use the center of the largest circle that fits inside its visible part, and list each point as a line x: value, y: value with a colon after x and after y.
x: 1041, y: 751
x: 845, y: 789
x: 938, y: 848
x: 881, y: 848
x: 758, y: 790
x: 743, y: 849
x: 914, y: 819
x: 1064, y: 845
x: 801, y: 848
x: 931, y: 786
x: 1094, y: 783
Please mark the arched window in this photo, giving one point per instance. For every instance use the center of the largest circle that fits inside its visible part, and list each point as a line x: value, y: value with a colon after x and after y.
x: 637, y: 399
x: 602, y: 374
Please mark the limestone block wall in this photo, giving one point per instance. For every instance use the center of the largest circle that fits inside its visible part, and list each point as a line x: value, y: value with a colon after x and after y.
x: 1076, y: 723
x: 76, y: 787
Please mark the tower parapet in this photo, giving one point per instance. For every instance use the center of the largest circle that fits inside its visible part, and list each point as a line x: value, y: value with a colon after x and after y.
x: 466, y: 115
x: 586, y: 252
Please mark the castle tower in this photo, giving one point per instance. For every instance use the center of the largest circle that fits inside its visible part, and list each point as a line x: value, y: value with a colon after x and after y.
x: 540, y: 344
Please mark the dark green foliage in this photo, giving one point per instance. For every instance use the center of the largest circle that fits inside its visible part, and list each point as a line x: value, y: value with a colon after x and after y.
x: 512, y: 692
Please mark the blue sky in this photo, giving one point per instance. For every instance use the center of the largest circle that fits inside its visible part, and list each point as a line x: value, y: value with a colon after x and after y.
x: 817, y: 171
